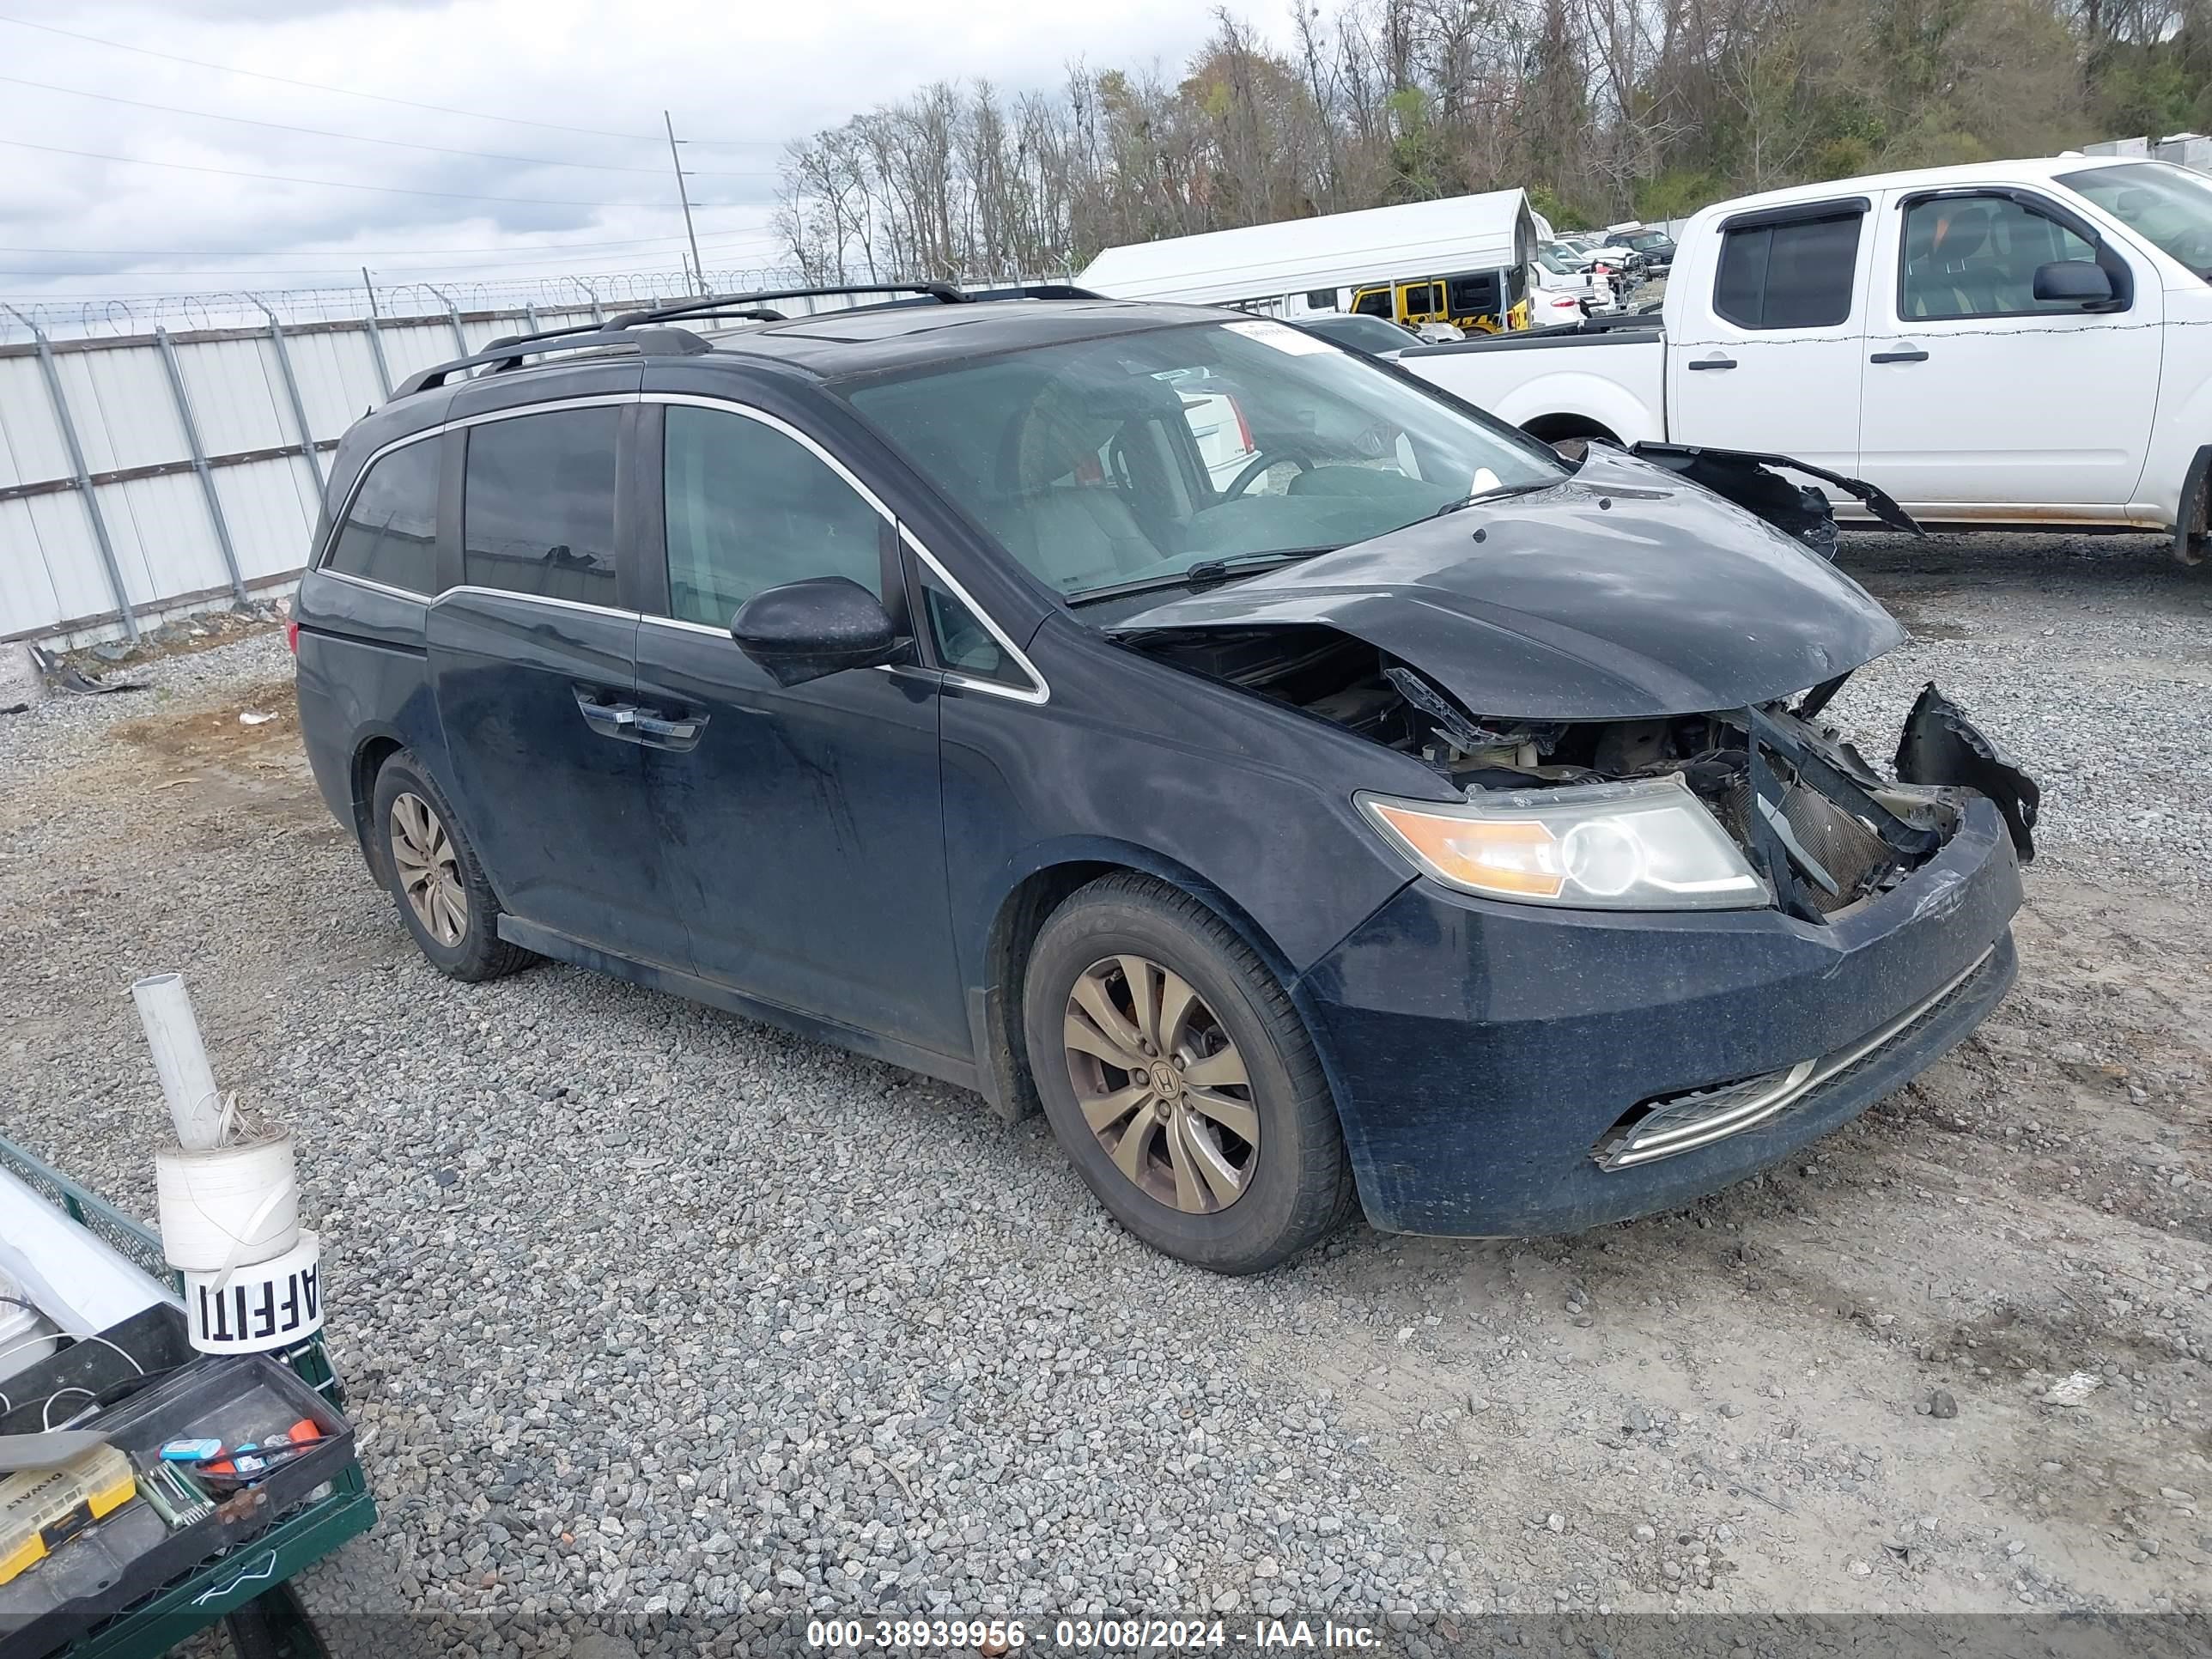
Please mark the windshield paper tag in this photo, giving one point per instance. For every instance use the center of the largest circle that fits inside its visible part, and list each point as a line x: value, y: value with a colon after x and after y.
x: 1279, y: 336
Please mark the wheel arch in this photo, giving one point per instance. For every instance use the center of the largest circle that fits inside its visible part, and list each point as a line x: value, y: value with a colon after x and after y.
x: 1552, y: 429
x: 371, y: 749
x: 1031, y: 897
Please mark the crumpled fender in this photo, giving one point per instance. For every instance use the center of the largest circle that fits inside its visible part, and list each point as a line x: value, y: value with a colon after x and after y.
x: 1748, y: 479
x: 1941, y: 748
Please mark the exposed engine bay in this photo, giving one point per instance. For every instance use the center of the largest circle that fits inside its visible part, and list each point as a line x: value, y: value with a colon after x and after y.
x: 1817, y: 822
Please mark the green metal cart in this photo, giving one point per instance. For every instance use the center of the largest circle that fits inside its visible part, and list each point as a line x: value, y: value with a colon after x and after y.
x: 247, y: 1586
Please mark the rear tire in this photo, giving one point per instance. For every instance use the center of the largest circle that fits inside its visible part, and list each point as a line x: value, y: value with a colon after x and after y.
x: 1235, y: 1167
x: 434, y: 877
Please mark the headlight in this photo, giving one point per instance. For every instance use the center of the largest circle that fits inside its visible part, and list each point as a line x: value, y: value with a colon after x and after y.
x: 1643, y: 846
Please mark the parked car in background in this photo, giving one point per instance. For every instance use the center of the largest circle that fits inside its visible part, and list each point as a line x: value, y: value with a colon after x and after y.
x: 1654, y: 248
x: 2021, y: 344
x: 1419, y: 821
x: 1361, y: 333
x: 1566, y: 290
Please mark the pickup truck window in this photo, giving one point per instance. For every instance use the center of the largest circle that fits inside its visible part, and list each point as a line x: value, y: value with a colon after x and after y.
x: 2169, y: 207
x: 1975, y: 256
x: 1793, y: 275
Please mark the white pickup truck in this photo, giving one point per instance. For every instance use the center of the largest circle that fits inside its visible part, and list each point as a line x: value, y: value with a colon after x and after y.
x: 2024, y: 343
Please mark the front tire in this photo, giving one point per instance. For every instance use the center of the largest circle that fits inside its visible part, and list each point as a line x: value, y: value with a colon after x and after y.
x: 1180, y: 1080
x: 433, y: 876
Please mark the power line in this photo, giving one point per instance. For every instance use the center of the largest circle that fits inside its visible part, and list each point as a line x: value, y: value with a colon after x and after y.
x: 337, y: 184
x: 347, y: 252
x: 363, y: 138
x: 347, y: 92
x: 750, y: 244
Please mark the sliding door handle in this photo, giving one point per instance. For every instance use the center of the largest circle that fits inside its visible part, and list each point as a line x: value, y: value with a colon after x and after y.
x: 1711, y: 362
x: 1905, y: 355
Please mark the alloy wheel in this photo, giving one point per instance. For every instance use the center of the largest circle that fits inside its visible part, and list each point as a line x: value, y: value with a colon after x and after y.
x: 1161, y: 1085
x: 429, y: 869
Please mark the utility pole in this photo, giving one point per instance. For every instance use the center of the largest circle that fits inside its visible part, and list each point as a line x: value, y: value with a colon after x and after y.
x: 698, y: 270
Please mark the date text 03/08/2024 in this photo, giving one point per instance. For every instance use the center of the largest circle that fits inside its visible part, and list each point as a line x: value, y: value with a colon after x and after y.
x: 995, y: 1637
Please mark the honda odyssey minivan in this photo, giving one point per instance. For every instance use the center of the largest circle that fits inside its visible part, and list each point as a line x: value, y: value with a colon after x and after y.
x: 1407, y: 819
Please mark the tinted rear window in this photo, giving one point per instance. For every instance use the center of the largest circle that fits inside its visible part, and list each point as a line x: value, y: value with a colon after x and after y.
x: 1788, y: 276
x: 391, y: 530
x: 537, y: 515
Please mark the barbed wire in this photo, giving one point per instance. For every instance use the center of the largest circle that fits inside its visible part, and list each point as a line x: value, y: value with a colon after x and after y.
x: 395, y: 302
x: 400, y: 303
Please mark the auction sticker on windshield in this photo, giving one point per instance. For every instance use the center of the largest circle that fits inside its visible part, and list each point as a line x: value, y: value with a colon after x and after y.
x: 1280, y: 335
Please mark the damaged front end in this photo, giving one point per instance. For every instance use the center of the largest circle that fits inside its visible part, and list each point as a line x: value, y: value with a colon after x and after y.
x: 1731, y: 809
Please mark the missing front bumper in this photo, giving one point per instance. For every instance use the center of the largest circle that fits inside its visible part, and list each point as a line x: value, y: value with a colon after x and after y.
x: 1670, y: 1124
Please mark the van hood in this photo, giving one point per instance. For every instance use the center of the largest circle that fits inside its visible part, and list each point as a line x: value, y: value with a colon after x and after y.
x: 1622, y: 592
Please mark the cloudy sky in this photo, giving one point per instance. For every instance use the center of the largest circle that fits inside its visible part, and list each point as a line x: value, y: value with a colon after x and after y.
x: 575, y: 180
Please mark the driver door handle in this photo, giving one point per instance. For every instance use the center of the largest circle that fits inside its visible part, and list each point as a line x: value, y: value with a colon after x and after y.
x: 1902, y: 355
x: 1711, y: 362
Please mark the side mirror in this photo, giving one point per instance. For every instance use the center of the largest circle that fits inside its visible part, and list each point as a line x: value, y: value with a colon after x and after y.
x: 2081, y: 282
x: 810, y: 630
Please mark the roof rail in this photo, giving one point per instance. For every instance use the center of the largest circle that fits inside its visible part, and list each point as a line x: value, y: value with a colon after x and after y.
x: 630, y: 329
x: 509, y: 352
x: 943, y: 293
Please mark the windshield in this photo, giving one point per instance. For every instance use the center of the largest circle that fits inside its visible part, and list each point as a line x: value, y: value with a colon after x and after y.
x: 2168, y: 206
x: 1133, y: 458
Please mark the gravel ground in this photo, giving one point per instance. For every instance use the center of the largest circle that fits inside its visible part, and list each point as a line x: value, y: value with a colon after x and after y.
x: 651, y: 1313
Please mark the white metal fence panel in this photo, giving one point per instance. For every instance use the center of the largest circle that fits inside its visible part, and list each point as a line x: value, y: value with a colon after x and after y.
x: 184, y: 523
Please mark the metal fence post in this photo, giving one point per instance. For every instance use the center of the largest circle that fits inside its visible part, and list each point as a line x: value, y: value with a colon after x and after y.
x: 199, y: 459
x: 599, y: 314
x: 453, y: 316
x: 375, y: 337
x: 292, y: 390
x: 62, y: 417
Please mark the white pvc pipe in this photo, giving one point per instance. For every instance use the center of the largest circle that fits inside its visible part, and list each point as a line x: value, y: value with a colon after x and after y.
x: 187, y: 1083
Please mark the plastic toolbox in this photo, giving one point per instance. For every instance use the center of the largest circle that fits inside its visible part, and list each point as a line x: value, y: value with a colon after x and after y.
x: 133, y: 1553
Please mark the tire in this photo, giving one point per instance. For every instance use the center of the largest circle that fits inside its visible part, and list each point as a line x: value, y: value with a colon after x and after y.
x: 1289, y: 1184
x: 458, y: 929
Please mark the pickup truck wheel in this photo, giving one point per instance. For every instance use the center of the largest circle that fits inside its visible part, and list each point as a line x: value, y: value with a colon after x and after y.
x: 1180, y: 1081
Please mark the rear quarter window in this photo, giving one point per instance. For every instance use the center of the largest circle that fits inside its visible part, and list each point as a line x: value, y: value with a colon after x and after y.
x: 390, y: 531
x: 1793, y: 275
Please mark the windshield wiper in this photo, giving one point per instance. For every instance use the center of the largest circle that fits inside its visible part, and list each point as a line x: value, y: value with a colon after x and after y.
x: 1501, y: 493
x: 1204, y: 573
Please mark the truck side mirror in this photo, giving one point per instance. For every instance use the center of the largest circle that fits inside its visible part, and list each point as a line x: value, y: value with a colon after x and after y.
x: 2080, y: 281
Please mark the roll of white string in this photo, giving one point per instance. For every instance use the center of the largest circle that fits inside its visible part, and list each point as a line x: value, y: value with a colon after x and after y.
x: 228, y: 1207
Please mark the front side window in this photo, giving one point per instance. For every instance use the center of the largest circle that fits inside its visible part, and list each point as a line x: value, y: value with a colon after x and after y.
x: 750, y: 507
x: 390, y: 530
x: 2169, y: 207
x: 1423, y: 299
x: 1375, y: 302
x: 537, y: 506
x: 1975, y: 256
x: 1100, y: 464
x: 1797, y: 274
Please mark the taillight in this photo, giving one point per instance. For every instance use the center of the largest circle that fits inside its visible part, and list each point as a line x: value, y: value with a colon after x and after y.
x: 292, y: 635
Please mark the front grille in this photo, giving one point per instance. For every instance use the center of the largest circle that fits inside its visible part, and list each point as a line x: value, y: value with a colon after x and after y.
x: 1667, y: 1124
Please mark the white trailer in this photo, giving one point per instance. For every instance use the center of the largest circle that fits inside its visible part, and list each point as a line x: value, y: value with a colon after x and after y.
x: 1460, y: 257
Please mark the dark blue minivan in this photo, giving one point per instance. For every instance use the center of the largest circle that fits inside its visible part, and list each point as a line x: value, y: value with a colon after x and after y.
x: 1305, y: 789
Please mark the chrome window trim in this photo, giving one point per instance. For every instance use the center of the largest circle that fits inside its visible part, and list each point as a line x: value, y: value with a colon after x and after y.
x: 615, y: 611
x: 373, y: 586
x: 1038, y: 692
